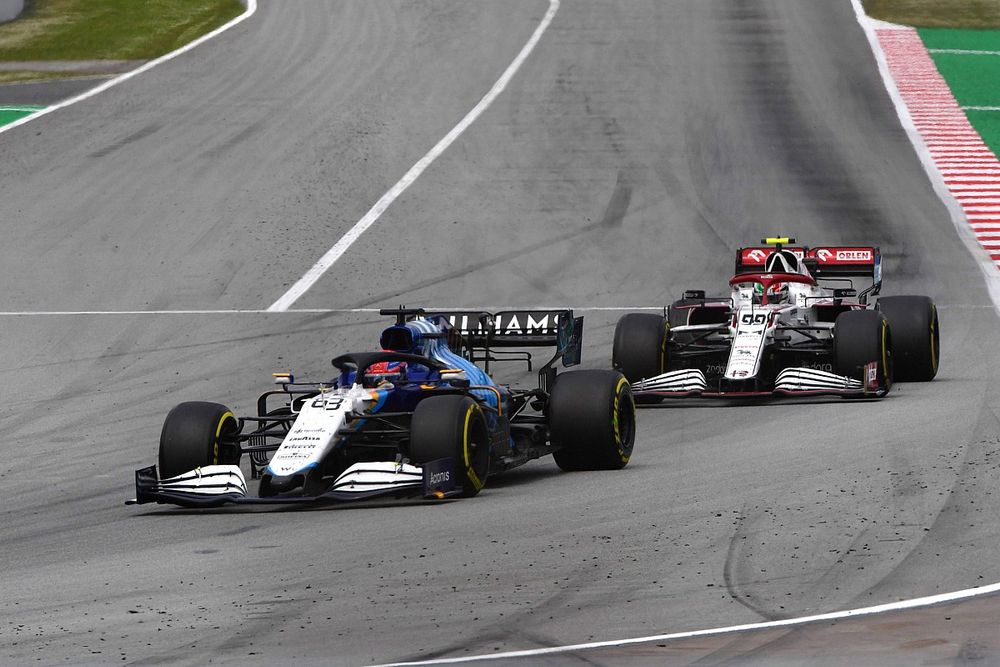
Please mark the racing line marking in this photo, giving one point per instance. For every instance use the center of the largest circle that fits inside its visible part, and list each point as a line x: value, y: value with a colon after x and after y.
x: 251, y: 8
x: 928, y: 601
x: 340, y: 247
x: 321, y: 311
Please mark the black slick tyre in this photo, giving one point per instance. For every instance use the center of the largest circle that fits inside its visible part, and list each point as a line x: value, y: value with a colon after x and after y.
x: 640, y: 349
x: 861, y: 337
x: 640, y: 346
x: 193, y: 436
x: 592, y: 420
x: 916, y: 336
x: 452, y: 427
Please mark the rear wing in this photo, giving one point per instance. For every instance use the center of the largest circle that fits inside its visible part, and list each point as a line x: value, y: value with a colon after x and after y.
x: 830, y: 263
x: 486, y: 335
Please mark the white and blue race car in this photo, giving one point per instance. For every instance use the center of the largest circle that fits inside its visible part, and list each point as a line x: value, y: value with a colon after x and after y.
x: 794, y: 323
x: 417, y: 418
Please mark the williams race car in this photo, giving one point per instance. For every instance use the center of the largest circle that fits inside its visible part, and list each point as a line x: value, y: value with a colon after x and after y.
x: 417, y: 419
x: 794, y: 323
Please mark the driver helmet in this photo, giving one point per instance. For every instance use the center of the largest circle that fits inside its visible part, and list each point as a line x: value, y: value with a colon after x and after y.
x: 384, y: 371
x: 782, y: 261
x: 776, y: 293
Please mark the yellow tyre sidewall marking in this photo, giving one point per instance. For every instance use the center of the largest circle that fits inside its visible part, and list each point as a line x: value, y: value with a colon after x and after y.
x: 615, y: 426
x: 218, y: 434
x: 469, y: 472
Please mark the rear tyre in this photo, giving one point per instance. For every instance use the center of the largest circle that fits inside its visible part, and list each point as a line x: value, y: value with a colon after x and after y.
x: 193, y: 436
x: 640, y: 349
x: 452, y: 427
x: 916, y: 338
x: 592, y: 420
x: 861, y: 337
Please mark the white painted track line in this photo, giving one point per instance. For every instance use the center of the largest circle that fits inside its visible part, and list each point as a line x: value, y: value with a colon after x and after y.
x: 340, y: 247
x: 766, y: 625
x: 317, y: 311
x: 251, y: 8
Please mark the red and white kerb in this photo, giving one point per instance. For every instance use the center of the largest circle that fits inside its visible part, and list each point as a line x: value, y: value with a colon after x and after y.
x: 969, y: 168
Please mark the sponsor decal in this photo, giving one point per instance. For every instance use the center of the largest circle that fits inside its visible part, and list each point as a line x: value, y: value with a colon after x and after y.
x: 819, y: 367
x: 515, y: 323
x: 850, y: 255
x: 854, y: 255
x: 299, y: 445
x: 871, y: 377
x: 759, y: 255
x: 439, y: 477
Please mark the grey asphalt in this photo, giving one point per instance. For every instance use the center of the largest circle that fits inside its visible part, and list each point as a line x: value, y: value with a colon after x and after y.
x: 639, y: 146
x: 47, y: 92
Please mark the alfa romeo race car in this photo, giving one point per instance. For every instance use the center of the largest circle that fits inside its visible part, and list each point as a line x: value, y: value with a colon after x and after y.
x: 419, y: 418
x: 793, y: 323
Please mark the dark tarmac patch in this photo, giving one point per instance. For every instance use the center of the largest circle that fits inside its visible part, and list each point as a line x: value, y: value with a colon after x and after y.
x: 47, y: 93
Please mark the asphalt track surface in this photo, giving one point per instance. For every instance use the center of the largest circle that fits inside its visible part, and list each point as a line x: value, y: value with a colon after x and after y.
x: 641, y: 143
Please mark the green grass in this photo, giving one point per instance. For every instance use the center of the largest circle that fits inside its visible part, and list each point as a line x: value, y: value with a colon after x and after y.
x: 973, y: 79
x: 109, y: 29
x: 28, y: 75
x: 987, y: 123
x: 10, y: 114
x: 937, y: 13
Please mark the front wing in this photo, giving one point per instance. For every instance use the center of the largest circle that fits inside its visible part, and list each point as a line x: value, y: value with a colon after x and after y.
x: 789, y: 382
x: 216, y: 485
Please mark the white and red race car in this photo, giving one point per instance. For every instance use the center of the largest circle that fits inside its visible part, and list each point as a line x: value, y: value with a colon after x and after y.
x: 797, y: 321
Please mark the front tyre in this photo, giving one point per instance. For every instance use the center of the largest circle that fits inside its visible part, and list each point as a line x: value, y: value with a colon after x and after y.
x: 859, y: 338
x: 916, y: 337
x: 592, y: 420
x: 640, y: 346
x: 452, y: 427
x: 194, y: 435
x: 640, y: 349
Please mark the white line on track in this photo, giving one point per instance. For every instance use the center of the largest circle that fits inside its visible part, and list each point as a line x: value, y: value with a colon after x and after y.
x: 315, y: 311
x: 251, y: 8
x: 766, y: 625
x: 965, y: 52
x: 340, y: 247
